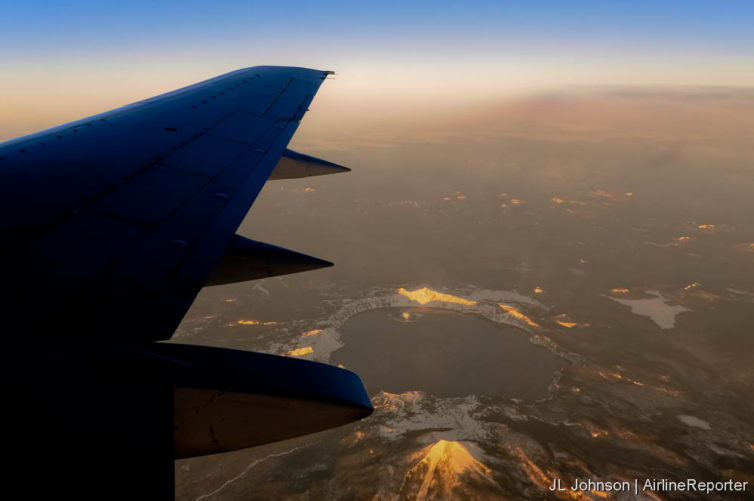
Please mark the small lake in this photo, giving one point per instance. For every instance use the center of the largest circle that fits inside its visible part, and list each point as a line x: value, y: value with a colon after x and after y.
x: 444, y: 353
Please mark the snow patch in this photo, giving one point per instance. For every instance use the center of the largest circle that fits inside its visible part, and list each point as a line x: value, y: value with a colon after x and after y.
x: 656, y: 308
x: 694, y: 421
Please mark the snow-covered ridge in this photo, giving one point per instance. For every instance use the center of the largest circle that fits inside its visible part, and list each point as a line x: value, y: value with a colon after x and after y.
x: 450, y: 418
x: 503, y: 307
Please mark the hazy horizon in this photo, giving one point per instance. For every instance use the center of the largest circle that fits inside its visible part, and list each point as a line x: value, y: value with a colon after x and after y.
x: 403, y: 59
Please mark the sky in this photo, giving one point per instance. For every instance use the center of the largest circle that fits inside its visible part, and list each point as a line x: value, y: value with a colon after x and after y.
x: 67, y: 59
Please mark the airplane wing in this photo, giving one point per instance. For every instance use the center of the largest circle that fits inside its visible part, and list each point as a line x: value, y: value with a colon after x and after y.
x: 113, y: 224
x: 110, y: 227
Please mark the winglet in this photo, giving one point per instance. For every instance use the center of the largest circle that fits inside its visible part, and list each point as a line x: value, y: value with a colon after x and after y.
x: 247, y: 259
x: 294, y: 165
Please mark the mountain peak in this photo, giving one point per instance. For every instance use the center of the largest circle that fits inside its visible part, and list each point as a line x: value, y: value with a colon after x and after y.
x: 447, y: 470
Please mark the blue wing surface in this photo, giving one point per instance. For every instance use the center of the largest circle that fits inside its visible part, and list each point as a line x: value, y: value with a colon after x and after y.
x: 112, y: 224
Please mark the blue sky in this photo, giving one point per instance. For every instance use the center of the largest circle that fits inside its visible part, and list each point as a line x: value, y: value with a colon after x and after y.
x: 36, y: 31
